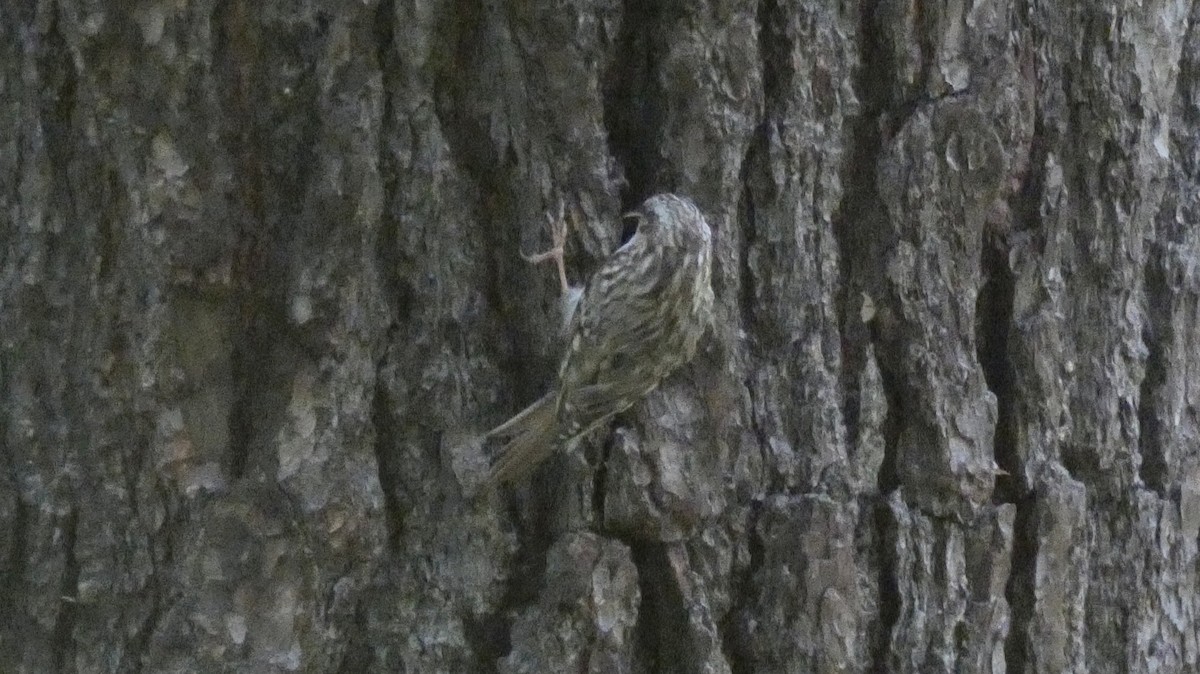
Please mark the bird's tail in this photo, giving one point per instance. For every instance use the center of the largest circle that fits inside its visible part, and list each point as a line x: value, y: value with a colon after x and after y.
x: 531, y: 438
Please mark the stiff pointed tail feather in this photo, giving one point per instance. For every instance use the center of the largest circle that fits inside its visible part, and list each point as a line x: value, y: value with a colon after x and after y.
x: 531, y: 438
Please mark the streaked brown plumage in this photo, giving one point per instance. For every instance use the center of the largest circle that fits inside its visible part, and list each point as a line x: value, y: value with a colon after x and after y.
x: 640, y: 318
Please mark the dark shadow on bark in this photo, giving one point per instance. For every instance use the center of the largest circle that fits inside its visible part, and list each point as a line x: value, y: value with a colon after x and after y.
x: 889, y: 591
x: 12, y: 580
x: 1019, y: 591
x: 633, y: 104
x: 386, y: 463
x: 662, y: 626
x: 993, y: 324
x: 1154, y: 466
x: 488, y: 636
x: 357, y: 657
x: 858, y: 216
x: 68, y: 601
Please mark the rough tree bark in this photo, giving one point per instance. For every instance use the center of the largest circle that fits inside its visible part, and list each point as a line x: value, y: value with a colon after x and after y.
x: 259, y: 286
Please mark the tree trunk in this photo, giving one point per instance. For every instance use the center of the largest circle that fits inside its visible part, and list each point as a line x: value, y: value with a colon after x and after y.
x: 260, y: 292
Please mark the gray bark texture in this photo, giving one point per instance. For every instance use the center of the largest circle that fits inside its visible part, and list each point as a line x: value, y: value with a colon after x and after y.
x: 260, y: 293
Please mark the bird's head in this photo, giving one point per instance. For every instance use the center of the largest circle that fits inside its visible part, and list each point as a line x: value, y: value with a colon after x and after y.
x: 668, y: 219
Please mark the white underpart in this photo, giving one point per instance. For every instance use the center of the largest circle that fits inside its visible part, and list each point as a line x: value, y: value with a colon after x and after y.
x: 568, y: 304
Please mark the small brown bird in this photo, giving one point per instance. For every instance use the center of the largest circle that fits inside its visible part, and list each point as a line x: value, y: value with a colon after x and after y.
x: 640, y: 317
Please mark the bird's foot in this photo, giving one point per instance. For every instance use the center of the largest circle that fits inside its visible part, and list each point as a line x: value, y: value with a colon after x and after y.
x: 558, y: 235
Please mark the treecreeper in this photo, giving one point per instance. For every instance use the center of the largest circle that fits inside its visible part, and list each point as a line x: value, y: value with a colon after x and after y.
x: 639, y: 318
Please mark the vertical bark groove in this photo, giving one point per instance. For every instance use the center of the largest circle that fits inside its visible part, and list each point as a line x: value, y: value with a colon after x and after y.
x: 68, y: 598
x: 631, y: 101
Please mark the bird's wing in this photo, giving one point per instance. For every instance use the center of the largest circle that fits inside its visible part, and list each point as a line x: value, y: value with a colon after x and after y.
x: 617, y: 321
x: 594, y: 404
x: 603, y: 333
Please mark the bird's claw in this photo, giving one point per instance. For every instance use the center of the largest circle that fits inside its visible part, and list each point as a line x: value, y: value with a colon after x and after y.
x: 558, y: 235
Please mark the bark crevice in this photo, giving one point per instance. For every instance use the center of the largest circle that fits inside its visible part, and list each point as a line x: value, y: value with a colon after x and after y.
x: 632, y: 104
x: 56, y: 113
x: 860, y: 218
x: 748, y: 300
x: 14, y: 575
x: 1020, y: 589
x: 890, y: 600
x: 489, y: 636
x: 861, y: 213
x: 68, y: 599
x: 1153, y: 468
x: 385, y: 463
x: 662, y: 615
x: 993, y: 325
x: 140, y: 644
